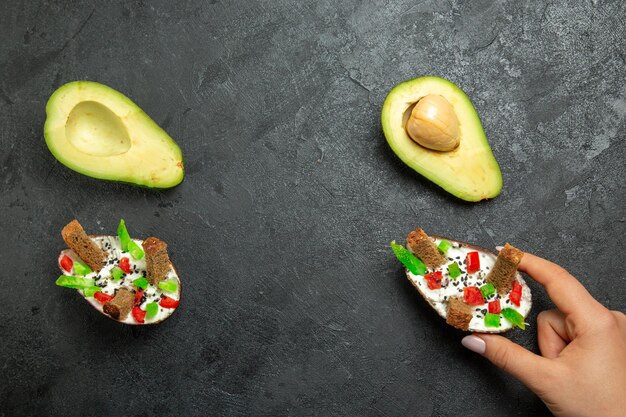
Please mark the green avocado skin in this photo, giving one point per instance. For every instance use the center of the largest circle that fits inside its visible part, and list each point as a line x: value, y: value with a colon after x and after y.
x: 153, y: 159
x: 469, y: 172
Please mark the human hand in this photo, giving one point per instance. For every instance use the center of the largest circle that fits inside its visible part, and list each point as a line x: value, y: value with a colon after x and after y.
x: 582, y: 367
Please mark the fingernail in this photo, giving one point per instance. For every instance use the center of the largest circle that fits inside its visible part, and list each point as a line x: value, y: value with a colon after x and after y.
x: 499, y: 248
x: 474, y: 343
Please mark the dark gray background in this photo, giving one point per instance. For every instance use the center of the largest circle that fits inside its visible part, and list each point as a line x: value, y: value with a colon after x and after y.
x: 293, y: 302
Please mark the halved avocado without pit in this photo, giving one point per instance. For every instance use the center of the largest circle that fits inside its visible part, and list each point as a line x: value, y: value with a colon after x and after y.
x: 99, y: 132
x: 433, y: 127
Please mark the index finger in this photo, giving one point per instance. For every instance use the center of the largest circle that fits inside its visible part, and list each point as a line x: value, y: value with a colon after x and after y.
x: 567, y: 293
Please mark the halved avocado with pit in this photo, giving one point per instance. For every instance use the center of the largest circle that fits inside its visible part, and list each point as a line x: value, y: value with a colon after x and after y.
x: 99, y: 132
x: 447, y: 143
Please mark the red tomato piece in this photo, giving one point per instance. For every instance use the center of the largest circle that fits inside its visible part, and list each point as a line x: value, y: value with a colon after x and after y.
x: 473, y: 296
x: 472, y: 262
x: 494, y: 307
x: 516, y: 293
x: 433, y: 279
x: 138, y: 296
x: 102, y: 297
x: 168, y: 302
x: 66, y: 263
x: 125, y: 265
x: 139, y: 314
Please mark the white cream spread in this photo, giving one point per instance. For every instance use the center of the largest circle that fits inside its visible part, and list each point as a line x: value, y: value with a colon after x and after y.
x: 103, y: 279
x: 438, y: 298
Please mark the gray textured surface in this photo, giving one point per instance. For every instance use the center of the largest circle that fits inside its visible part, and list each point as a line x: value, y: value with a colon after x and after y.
x: 294, y: 304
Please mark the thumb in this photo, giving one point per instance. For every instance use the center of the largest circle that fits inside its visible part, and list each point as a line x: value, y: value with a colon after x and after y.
x: 524, y: 365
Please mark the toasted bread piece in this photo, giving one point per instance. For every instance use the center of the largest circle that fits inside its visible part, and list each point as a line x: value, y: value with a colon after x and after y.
x: 120, y: 305
x: 75, y: 237
x: 504, y: 271
x: 425, y: 249
x: 157, y: 261
x: 459, y: 314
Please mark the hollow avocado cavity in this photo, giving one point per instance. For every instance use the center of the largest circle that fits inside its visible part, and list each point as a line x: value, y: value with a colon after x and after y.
x: 94, y: 129
x: 99, y: 132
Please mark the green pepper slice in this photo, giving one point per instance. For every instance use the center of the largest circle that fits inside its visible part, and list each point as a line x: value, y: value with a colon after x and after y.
x: 444, y: 245
x: 81, y: 268
x: 68, y: 281
x: 128, y: 245
x: 487, y: 290
x: 168, y: 286
x: 90, y: 291
x: 453, y: 270
x: 492, y: 320
x: 151, y: 309
x: 117, y: 273
x: 122, y: 233
x: 141, y: 283
x: 135, y: 251
x: 412, y: 263
x: 514, y: 317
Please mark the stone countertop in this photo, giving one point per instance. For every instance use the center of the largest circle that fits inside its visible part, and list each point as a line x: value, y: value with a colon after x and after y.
x: 293, y: 301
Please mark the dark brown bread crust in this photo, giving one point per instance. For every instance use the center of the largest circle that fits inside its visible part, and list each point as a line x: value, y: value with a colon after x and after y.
x: 459, y: 313
x: 157, y: 261
x: 77, y: 240
x: 504, y: 271
x: 120, y: 305
x: 425, y: 249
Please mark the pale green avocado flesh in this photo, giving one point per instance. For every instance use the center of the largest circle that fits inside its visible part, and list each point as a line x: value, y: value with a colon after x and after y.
x: 99, y: 132
x: 470, y: 171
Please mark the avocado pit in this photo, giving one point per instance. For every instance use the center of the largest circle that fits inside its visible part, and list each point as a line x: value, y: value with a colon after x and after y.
x: 433, y: 124
x: 94, y: 129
